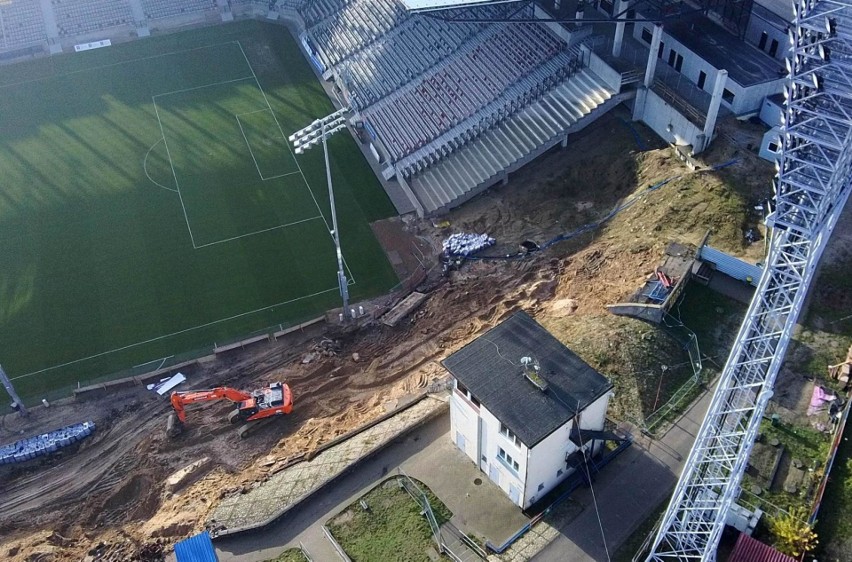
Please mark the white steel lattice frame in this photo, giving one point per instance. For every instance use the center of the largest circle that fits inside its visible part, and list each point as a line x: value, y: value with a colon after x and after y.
x: 812, y: 186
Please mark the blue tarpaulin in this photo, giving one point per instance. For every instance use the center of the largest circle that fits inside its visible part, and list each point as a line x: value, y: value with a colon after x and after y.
x: 196, y: 549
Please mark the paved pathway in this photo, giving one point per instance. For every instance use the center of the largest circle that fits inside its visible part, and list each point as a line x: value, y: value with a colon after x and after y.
x: 292, y: 485
x: 627, y: 491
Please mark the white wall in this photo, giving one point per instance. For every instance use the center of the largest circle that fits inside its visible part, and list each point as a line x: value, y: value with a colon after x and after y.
x: 605, y: 72
x: 746, y: 100
x: 772, y: 136
x: 770, y: 113
x: 547, y: 458
x: 757, y: 26
x: 464, y: 420
x: 666, y: 121
x: 492, y: 441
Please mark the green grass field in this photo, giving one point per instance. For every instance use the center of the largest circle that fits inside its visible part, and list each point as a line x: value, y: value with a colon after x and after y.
x: 150, y: 203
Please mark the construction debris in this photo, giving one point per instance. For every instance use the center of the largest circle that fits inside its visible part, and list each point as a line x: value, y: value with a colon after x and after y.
x: 46, y: 443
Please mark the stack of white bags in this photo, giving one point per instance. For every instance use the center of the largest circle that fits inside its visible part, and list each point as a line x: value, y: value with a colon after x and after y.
x: 465, y: 244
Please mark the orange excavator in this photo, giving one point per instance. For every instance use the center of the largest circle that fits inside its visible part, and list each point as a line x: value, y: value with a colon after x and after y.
x: 273, y: 400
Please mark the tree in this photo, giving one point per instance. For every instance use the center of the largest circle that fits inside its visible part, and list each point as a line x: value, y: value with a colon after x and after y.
x: 793, y: 535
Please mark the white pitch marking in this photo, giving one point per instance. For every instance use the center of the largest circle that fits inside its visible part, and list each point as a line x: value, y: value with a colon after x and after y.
x: 132, y: 345
x: 257, y: 232
x: 145, y: 167
x: 275, y: 117
x: 172, y: 164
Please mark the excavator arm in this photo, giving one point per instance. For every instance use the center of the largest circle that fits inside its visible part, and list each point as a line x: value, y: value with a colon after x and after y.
x: 181, y: 399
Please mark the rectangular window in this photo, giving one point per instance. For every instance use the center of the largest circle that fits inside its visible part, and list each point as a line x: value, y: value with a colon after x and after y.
x: 772, y: 147
x: 679, y: 63
x: 507, y: 459
x: 660, y: 50
x: 647, y: 36
x: 728, y: 96
x: 762, y: 43
x: 541, y: 487
x: 475, y: 401
x: 773, y: 48
x: 505, y: 431
x: 702, y: 77
x: 462, y: 388
x: 672, y: 55
x: 466, y: 393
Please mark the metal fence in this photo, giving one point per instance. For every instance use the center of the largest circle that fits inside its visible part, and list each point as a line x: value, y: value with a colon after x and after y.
x: 407, y: 484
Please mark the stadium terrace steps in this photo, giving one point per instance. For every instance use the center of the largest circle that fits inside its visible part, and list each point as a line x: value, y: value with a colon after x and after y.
x: 514, y: 142
x: 21, y: 24
x: 77, y: 17
x: 155, y: 9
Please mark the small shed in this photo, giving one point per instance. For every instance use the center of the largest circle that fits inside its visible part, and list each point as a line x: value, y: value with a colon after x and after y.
x: 748, y: 549
x: 196, y: 549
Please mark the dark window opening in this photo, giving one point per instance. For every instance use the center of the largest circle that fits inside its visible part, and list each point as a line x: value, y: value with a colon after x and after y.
x: 647, y: 36
x: 728, y: 96
x: 762, y: 43
x: 702, y: 78
x: 474, y: 400
x: 660, y: 50
x: 773, y: 48
x: 772, y: 147
x: 672, y: 55
x: 462, y: 388
x: 679, y: 63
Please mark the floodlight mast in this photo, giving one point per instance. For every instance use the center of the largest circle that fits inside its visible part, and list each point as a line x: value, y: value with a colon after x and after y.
x: 305, y: 139
x: 812, y: 187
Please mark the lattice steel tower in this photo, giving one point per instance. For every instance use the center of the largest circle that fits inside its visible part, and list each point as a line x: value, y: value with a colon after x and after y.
x: 812, y: 186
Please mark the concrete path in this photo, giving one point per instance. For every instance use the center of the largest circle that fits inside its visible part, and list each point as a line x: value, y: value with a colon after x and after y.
x: 285, y: 489
x: 627, y: 491
x: 426, y: 454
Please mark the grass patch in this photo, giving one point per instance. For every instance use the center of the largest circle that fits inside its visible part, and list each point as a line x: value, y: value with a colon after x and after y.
x: 150, y: 204
x: 391, y: 529
x: 289, y: 555
x: 713, y: 317
x: 834, y: 520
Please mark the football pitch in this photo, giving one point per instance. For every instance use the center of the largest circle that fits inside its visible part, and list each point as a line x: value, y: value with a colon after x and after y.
x: 150, y: 204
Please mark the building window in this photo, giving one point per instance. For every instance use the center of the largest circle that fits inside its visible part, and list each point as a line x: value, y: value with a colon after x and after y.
x: 660, y: 50
x: 647, y: 36
x: 559, y: 473
x: 702, y: 78
x: 762, y: 43
x: 541, y: 487
x: 672, y: 55
x: 773, y: 48
x: 773, y: 147
x: 506, y: 432
x: 728, y: 96
x: 466, y: 393
x: 507, y: 459
x: 679, y: 63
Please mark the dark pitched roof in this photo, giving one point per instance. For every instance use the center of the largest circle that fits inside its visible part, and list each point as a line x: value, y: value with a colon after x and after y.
x: 490, y: 367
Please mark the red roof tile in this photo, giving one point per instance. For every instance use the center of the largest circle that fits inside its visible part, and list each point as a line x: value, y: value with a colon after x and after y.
x: 748, y: 549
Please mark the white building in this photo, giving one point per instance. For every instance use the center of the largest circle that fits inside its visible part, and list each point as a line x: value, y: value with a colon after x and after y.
x: 697, y: 49
x: 517, y: 424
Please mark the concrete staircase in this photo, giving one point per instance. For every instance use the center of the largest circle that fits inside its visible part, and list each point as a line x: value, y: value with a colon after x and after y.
x: 572, y: 105
x: 461, y: 550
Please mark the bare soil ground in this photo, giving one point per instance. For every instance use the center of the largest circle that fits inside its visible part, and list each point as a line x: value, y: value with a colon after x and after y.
x: 107, y: 499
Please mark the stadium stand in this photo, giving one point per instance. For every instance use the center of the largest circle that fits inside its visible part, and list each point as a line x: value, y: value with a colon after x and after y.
x: 75, y: 17
x: 451, y: 106
x: 156, y: 9
x: 21, y: 24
